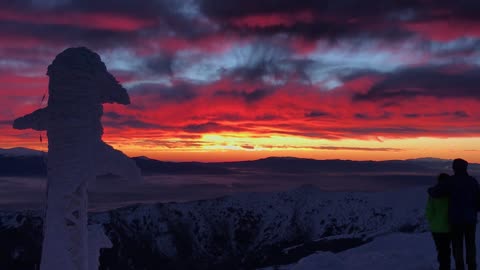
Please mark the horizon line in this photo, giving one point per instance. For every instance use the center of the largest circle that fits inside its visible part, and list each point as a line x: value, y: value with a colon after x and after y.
x: 262, y: 158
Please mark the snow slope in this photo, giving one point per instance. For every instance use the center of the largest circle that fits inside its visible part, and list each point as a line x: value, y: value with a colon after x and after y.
x: 248, y: 231
x: 396, y: 251
x: 393, y: 252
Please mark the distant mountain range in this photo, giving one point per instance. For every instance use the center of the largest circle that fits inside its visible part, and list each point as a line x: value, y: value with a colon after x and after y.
x: 20, y: 151
x: 28, y: 162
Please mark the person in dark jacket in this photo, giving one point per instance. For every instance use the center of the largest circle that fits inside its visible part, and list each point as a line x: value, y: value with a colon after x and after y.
x: 464, y: 194
x: 437, y: 217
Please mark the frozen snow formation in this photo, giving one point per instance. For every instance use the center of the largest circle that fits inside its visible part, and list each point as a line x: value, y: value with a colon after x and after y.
x: 79, y: 85
x: 96, y: 240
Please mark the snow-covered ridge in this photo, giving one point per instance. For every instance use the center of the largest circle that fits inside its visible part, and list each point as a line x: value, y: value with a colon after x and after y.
x: 249, y: 230
x: 31, y: 161
x: 20, y: 152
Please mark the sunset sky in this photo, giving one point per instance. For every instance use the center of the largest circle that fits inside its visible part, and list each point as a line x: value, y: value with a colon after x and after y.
x: 213, y: 80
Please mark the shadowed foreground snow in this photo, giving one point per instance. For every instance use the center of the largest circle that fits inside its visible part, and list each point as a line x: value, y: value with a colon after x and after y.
x: 244, y: 231
x: 369, y: 230
x: 396, y: 251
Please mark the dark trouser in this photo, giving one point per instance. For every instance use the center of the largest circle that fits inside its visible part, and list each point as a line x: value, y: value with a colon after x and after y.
x: 442, y: 244
x: 461, y: 233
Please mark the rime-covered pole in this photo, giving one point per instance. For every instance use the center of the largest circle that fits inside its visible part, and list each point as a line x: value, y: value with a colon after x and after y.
x: 79, y: 85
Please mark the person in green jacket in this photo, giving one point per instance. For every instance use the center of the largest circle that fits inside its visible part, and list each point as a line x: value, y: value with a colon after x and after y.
x: 437, y: 217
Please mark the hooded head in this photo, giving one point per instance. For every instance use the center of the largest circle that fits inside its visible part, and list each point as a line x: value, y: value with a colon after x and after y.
x: 81, y: 66
x: 460, y: 166
x: 442, y: 177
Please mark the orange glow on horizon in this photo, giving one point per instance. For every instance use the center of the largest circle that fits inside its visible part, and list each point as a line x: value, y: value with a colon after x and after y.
x: 228, y: 147
x: 231, y: 146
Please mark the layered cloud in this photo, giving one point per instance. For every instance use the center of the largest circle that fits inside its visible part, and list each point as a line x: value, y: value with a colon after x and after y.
x: 257, y: 76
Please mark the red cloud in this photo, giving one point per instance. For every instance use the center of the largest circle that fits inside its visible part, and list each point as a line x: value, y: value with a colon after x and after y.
x: 274, y: 19
x: 290, y: 110
x: 298, y: 110
x: 102, y: 21
x: 254, y: 94
x: 445, y: 30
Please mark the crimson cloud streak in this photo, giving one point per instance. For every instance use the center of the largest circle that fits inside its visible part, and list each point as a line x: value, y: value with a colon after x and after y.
x: 268, y: 75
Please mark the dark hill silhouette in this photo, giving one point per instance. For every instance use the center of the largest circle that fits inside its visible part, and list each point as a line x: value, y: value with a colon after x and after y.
x: 152, y: 166
x: 34, y: 165
x: 301, y: 165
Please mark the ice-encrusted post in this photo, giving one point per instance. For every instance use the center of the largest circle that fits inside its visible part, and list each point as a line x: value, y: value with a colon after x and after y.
x: 79, y: 85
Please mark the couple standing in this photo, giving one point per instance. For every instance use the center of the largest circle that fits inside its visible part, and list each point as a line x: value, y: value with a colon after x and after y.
x: 452, y: 215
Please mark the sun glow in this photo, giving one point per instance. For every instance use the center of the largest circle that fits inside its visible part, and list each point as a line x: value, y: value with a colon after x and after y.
x: 243, y: 146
